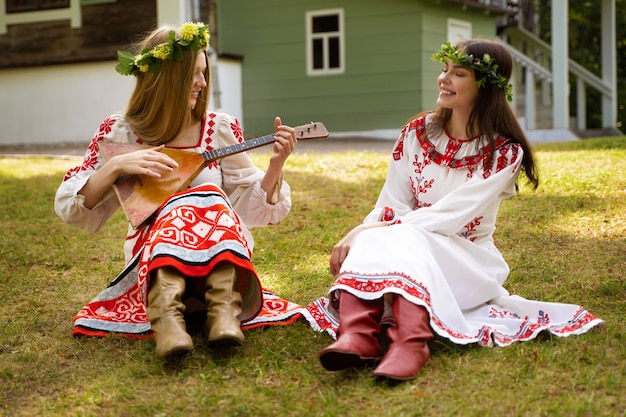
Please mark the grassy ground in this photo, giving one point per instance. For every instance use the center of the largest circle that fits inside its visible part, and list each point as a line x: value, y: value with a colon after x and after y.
x: 565, y: 243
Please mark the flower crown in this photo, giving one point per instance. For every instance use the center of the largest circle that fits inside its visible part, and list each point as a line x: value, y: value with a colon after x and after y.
x: 192, y: 35
x: 486, y: 66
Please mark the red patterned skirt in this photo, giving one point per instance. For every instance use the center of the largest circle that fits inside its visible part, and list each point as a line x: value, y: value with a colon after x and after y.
x: 193, y: 231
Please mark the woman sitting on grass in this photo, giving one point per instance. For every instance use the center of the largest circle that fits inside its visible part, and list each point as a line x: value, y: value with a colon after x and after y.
x: 193, y: 255
x: 426, y: 251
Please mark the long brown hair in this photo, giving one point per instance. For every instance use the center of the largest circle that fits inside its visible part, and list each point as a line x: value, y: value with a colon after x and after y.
x: 159, y: 105
x: 492, y: 114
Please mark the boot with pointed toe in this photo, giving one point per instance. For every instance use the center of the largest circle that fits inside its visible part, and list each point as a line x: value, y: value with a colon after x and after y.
x: 165, y: 312
x: 408, y: 351
x: 223, y: 301
x: 357, y: 342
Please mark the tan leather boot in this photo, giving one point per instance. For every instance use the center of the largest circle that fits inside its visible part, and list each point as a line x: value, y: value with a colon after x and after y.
x: 223, y: 306
x: 165, y: 311
x: 357, y: 343
x: 408, y: 351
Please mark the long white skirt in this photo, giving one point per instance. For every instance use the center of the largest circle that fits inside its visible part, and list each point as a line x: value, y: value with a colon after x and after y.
x: 457, y: 281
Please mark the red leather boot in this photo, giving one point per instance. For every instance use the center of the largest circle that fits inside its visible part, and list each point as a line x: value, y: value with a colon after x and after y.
x: 357, y: 343
x: 408, y: 350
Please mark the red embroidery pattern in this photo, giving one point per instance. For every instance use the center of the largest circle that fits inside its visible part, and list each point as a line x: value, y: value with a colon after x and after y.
x: 276, y: 311
x: 194, y: 228
x: 236, y: 128
x: 208, y: 139
x: 421, y: 204
x: 398, y: 150
x: 446, y: 159
x: 430, y: 155
x: 210, y: 124
x: 142, y: 234
x: 471, y: 227
x: 387, y: 215
x: 487, y: 167
x: 91, y: 158
x: 503, y: 161
x: 394, y: 282
x: 380, y: 283
x: 317, y: 312
x: 451, y: 149
x: 420, y: 185
x: 127, y: 308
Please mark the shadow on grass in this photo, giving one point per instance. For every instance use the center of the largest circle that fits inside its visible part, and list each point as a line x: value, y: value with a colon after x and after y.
x: 561, y: 248
x: 532, y: 235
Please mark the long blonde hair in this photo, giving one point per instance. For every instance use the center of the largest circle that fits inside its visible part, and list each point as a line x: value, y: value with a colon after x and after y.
x: 159, y: 105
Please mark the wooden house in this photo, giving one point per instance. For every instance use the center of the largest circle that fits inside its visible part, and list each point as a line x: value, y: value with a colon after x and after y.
x: 57, y: 63
x: 362, y: 67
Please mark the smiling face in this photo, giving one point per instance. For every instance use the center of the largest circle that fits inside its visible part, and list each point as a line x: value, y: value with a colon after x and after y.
x: 457, y: 88
x: 199, y: 81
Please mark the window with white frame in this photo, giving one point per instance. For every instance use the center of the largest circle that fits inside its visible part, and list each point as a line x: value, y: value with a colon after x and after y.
x: 325, y: 42
x: 459, y: 29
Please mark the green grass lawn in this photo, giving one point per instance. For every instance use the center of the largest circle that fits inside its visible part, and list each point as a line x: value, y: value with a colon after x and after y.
x: 566, y: 242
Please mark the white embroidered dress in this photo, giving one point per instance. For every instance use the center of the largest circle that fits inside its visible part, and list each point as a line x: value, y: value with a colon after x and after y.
x: 440, y: 201
x: 197, y: 228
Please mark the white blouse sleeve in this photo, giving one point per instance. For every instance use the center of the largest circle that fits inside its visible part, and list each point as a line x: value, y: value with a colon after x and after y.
x: 456, y: 209
x: 459, y: 206
x: 68, y: 204
x: 242, y: 183
x: 397, y: 192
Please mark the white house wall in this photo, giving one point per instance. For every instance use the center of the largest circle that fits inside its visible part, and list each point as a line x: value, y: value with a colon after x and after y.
x: 66, y: 103
x: 226, y: 94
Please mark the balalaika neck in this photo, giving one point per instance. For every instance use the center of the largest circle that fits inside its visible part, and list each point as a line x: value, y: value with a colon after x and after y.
x: 212, y: 155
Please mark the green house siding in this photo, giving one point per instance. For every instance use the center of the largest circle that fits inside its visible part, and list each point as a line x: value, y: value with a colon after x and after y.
x: 388, y: 72
x: 434, y: 33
